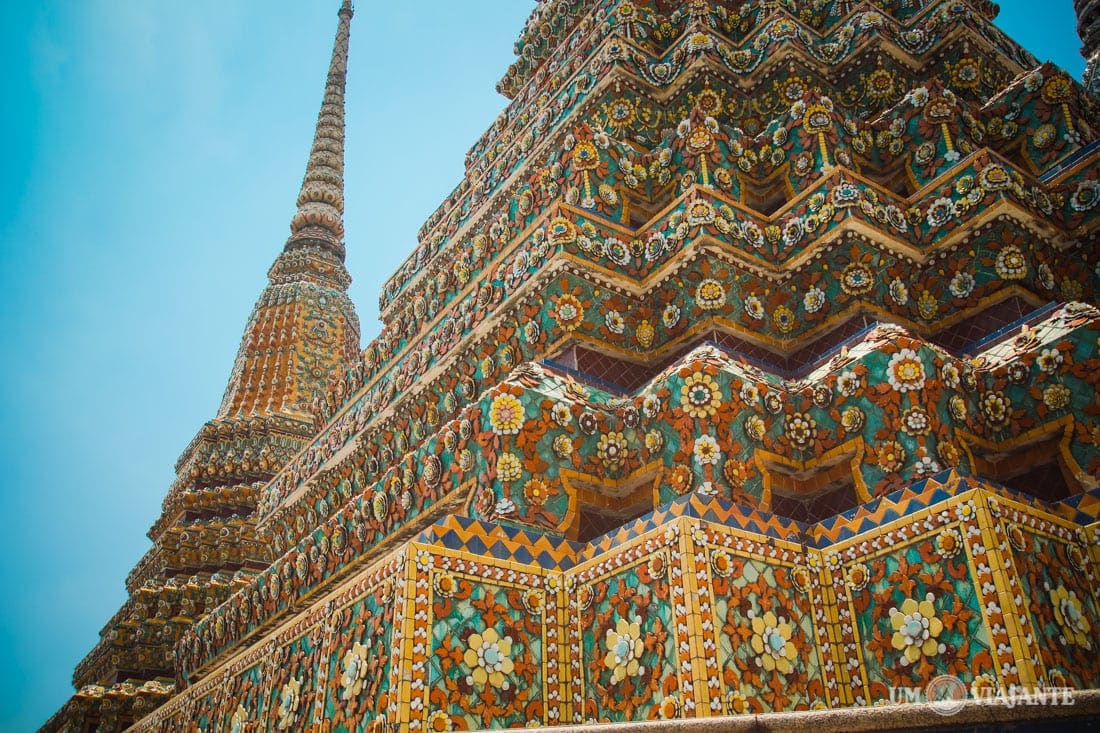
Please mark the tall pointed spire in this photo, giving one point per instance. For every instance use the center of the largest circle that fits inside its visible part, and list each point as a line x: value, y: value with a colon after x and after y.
x: 304, y: 333
x: 302, y: 338
x: 319, y: 219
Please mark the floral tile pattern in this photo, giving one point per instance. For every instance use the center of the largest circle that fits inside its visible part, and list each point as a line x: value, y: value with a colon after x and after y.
x: 763, y: 619
x: 751, y: 368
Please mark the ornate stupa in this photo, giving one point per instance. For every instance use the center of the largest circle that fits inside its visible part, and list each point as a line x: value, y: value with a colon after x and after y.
x: 751, y: 368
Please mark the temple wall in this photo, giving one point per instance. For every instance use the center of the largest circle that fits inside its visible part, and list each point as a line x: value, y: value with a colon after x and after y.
x: 701, y: 608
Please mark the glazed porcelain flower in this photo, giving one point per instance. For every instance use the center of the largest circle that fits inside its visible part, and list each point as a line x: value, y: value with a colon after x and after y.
x: 801, y: 429
x: 509, y: 467
x: 755, y: 428
x: 996, y: 408
x: 439, y: 722
x: 852, y: 419
x: 700, y: 396
x: 536, y: 492
x: 905, y: 372
x: 736, y: 704
x: 890, y: 456
x: 948, y: 543
x: 239, y: 719
x: 614, y: 321
x: 670, y: 316
x: 1011, y: 263
x: 847, y: 383
x: 1070, y: 616
x: 784, y: 319
x: 670, y: 707
x: 569, y: 311
x: 916, y: 630
x: 489, y: 658
x: 1057, y: 396
x: 710, y: 295
x: 562, y: 446
x: 354, y: 668
x: 288, y: 704
x: 624, y: 649
x: 857, y: 279
x: 561, y: 414
x: 506, y: 414
x: 1049, y: 360
x: 611, y: 449
x: 857, y: 576
x: 771, y: 640
x: 706, y: 450
x: 754, y: 308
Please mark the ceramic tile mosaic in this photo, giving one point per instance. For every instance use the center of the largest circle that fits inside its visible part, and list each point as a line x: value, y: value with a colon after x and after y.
x: 752, y: 367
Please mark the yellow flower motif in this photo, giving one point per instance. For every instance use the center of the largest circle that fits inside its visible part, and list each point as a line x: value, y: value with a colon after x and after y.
x: 611, y: 448
x: 644, y: 334
x: 857, y: 576
x: 561, y: 231
x: 700, y: 396
x: 585, y: 156
x: 710, y: 295
x: 784, y: 319
x: 927, y: 305
x: 569, y: 311
x: 736, y: 704
x: 755, y: 427
x: 1056, y: 396
x: 444, y: 584
x: 983, y: 687
x: 801, y: 429
x: 721, y: 562
x: 562, y: 446
x: 354, y: 671
x: 905, y: 372
x: 624, y: 649
x: 289, y: 697
x: 439, y: 722
x: 506, y: 414
x: 1070, y: 616
x: 489, y: 658
x: 771, y: 640
x: 948, y: 543
x: 509, y: 467
x: 916, y: 630
x: 240, y: 717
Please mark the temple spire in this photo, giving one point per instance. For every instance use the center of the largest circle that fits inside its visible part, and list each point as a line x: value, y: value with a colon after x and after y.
x: 303, y: 334
x: 319, y: 219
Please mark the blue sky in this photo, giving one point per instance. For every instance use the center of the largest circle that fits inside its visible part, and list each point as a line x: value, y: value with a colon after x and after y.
x: 151, y: 156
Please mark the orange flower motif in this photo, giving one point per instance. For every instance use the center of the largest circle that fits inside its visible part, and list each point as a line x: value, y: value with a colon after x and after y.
x: 680, y: 479
x: 890, y: 456
x: 568, y: 311
x: 536, y: 492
